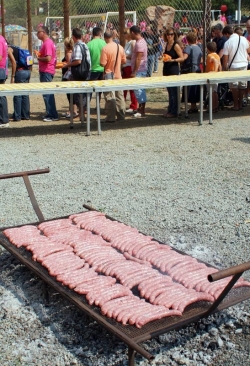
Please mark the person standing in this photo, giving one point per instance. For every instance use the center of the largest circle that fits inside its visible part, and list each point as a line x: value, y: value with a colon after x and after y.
x: 47, y: 63
x: 95, y: 47
x: 235, y: 58
x: 247, y: 32
x: 112, y: 57
x: 21, y: 103
x: 219, y: 39
x: 152, y: 40
x: 4, y: 117
x: 139, y: 67
x: 127, y: 71
x: 80, y: 51
x: 193, y: 53
x: 171, y: 67
x: 213, y: 65
x: 66, y: 73
x: 247, y: 36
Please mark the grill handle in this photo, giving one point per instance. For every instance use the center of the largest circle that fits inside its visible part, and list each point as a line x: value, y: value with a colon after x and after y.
x: 25, y: 176
x: 90, y: 208
x: 21, y: 174
x: 229, y: 272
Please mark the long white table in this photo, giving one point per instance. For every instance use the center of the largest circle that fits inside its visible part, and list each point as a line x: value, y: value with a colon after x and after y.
x: 223, y: 77
x: 101, y: 86
x: 61, y: 87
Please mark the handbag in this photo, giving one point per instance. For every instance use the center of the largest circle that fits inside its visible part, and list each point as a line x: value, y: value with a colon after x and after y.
x: 110, y: 75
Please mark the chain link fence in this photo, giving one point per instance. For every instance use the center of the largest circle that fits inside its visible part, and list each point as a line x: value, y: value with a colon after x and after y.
x: 182, y: 13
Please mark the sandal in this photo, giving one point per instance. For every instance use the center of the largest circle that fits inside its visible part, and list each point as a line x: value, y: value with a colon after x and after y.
x: 190, y: 111
x: 169, y: 115
x: 75, y: 115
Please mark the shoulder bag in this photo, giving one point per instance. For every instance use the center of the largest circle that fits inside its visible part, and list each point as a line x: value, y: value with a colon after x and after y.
x: 81, y: 72
x: 234, y: 55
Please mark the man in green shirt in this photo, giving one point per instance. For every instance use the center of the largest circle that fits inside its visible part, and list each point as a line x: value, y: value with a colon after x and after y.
x: 95, y: 47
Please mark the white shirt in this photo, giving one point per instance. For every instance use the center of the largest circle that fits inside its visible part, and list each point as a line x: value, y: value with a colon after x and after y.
x: 230, y: 47
x: 128, y: 52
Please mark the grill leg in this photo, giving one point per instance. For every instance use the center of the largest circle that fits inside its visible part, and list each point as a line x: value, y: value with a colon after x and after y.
x: 46, y: 293
x: 131, y: 356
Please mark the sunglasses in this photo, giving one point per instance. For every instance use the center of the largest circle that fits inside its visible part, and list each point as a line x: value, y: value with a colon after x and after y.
x: 170, y: 34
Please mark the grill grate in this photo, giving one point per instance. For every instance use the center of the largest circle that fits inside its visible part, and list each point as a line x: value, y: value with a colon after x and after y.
x: 131, y: 335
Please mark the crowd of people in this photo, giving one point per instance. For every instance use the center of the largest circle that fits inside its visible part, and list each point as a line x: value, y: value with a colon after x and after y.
x: 228, y: 49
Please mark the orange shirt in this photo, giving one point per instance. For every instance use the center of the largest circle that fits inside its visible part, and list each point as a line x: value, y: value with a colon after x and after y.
x: 210, y: 66
x: 108, y: 56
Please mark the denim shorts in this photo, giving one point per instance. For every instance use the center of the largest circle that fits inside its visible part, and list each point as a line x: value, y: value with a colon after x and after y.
x: 140, y: 94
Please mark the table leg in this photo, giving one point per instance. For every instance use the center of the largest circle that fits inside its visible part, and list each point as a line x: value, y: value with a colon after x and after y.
x: 186, y: 100
x: 88, y: 114
x: 98, y: 113
x: 210, y: 105
x: 71, y: 111
x: 81, y: 110
x: 179, y: 101
x: 201, y: 104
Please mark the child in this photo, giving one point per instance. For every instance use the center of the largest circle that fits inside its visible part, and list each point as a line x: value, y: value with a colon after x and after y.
x: 213, y: 65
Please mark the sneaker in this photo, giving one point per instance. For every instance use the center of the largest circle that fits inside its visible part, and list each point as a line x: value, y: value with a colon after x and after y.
x: 75, y: 115
x: 130, y: 110
x: 49, y: 119
x: 4, y: 125
x: 155, y: 71
x: 137, y: 115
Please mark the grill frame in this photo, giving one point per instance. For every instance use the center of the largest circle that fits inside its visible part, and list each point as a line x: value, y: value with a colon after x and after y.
x: 128, y: 334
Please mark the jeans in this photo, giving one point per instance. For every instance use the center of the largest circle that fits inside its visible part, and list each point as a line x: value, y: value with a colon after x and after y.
x: 4, y: 117
x: 96, y: 75
x: 173, y: 100
x: 156, y: 61
x: 49, y: 99
x: 140, y: 94
x: 21, y: 102
x: 151, y: 60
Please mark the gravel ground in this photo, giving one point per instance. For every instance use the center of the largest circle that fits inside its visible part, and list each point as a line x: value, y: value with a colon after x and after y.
x: 184, y: 184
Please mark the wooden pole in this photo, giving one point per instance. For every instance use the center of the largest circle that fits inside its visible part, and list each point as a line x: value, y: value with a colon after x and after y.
x: 29, y: 27
x: 66, y: 18
x: 122, y: 22
x: 206, y: 28
x: 2, y: 16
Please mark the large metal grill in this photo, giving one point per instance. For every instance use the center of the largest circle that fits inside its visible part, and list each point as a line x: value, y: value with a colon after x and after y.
x: 131, y: 335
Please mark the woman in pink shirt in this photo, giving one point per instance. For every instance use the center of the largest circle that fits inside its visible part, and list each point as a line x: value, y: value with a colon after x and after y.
x: 4, y: 117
